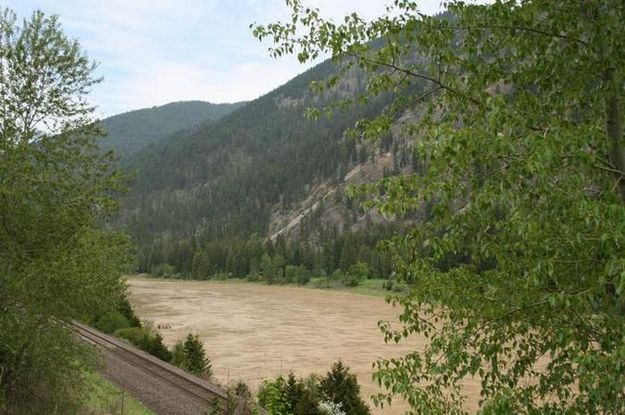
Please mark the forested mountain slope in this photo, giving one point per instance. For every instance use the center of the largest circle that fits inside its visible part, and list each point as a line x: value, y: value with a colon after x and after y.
x: 249, y: 174
x: 129, y: 132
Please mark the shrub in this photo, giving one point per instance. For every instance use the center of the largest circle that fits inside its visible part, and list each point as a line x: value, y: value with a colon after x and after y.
x: 178, y: 354
x: 290, y: 273
x: 350, y: 280
x: 111, y: 322
x: 303, y: 278
x: 330, y: 408
x: 126, y: 310
x: 156, y: 348
x: 146, y: 341
x: 356, y: 273
x: 296, y: 274
x: 272, y: 396
x: 164, y: 270
x: 135, y: 335
x: 338, y: 393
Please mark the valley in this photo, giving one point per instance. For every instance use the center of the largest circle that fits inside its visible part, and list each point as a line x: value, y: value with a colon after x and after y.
x: 469, y: 158
x: 252, y: 332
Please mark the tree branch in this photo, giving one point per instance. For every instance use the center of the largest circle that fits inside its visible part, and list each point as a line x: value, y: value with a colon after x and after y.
x: 414, y: 74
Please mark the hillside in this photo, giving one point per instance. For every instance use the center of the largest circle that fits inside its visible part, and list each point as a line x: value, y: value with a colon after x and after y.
x: 131, y: 131
x: 263, y: 170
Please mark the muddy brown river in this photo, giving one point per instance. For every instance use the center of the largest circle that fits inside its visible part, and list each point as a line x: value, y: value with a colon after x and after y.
x: 253, y: 332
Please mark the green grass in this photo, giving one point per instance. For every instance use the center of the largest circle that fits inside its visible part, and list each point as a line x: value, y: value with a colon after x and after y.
x: 106, y: 398
x: 373, y: 286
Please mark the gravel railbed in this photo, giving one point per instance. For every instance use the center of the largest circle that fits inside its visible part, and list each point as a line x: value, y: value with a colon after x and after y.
x: 154, y: 393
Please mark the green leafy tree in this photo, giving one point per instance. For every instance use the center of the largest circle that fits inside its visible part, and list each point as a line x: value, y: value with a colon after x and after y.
x: 177, y: 354
x: 356, y: 274
x: 273, y: 397
x: 56, y: 263
x: 517, y: 275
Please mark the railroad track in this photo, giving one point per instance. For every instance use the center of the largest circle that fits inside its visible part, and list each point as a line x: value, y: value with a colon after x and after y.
x: 204, y: 393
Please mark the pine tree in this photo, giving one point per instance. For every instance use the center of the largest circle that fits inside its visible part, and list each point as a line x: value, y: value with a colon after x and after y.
x: 341, y: 386
x: 195, y: 360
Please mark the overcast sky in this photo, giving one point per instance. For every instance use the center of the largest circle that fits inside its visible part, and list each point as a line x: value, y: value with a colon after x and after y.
x: 152, y: 52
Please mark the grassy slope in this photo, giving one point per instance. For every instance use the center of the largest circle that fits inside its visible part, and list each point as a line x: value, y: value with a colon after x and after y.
x: 106, y: 398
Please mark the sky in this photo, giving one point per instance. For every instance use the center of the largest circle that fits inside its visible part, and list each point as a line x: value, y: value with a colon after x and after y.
x: 151, y: 52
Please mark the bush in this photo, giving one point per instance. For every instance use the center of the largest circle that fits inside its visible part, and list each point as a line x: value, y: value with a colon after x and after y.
x: 303, y: 278
x: 177, y: 354
x: 272, y: 396
x: 296, y: 274
x: 356, y: 273
x: 135, y: 335
x: 330, y: 408
x: 146, y: 341
x: 350, y: 280
x: 336, y: 394
x: 111, y: 322
x: 126, y: 310
x: 290, y: 273
x: 156, y: 348
x: 164, y: 270
x: 238, y: 402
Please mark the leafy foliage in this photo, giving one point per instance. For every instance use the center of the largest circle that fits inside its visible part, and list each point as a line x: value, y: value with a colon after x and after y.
x: 146, y: 340
x: 56, y: 263
x: 337, y: 393
x: 239, y: 402
x: 517, y: 110
x: 272, y: 396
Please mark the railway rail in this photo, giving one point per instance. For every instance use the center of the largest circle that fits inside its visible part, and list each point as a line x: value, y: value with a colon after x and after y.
x: 204, y: 393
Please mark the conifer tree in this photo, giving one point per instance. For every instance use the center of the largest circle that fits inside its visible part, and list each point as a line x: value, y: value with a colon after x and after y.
x: 195, y: 360
x: 341, y: 387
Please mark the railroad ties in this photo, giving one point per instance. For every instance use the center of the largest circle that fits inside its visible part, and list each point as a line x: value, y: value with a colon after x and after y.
x: 203, y: 393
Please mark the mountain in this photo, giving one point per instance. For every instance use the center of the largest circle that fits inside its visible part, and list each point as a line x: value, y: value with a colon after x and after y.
x: 129, y: 132
x: 261, y: 173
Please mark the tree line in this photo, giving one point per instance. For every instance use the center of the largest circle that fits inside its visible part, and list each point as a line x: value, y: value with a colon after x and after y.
x: 279, y: 261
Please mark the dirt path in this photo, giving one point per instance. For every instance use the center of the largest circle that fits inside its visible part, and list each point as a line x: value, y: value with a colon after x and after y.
x: 252, y: 332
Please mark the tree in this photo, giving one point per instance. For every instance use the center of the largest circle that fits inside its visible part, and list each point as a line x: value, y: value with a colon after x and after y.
x: 56, y: 263
x: 272, y: 396
x: 268, y: 269
x: 341, y: 387
x: 356, y: 274
x: 177, y: 354
x: 194, y: 358
x: 517, y: 110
